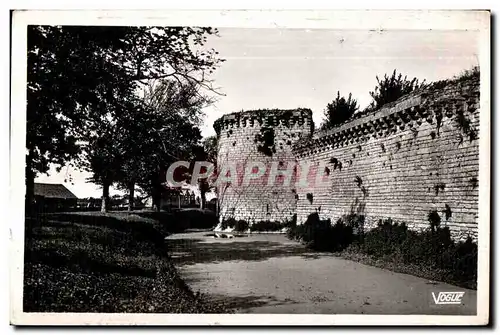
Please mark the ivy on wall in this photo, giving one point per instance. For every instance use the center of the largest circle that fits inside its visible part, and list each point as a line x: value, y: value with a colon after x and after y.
x: 265, y: 141
x: 465, y: 124
x: 336, y: 163
x: 464, y: 82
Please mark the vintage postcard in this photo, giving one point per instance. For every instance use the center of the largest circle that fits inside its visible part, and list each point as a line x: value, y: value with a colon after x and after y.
x: 250, y: 167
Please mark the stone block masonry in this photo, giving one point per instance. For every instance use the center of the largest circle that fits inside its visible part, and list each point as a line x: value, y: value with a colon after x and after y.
x: 265, y: 136
x: 417, y: 155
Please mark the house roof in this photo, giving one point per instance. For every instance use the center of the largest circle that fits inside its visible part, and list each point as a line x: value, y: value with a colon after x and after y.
x: 53, y: 191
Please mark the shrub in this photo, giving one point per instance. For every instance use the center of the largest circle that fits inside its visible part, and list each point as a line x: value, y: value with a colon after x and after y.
x: 391, y: 88
x: 314, y: 228
x: 292, y: 222
x: 464, y: 261
x: 433, y: 248
x: 385, y: 238
x: 355, y: 221
x: 321, y: 235
x: 294, y: 231
x: 434, y: 218
x: 341, y: 236
x: 267, y: 226
x: 339, y: 111
x: 241, y: 225
x: 426, y: 246
x: 196, y: 218
x: 227, y: 223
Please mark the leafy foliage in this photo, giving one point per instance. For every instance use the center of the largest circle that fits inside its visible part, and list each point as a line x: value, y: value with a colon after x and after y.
x: 74, y: 71
x: 265, y: 141
x: 465, y: 75
x: 337, y: 164
x: 241, y: 226
x: 267, y: 225
x: 433, y: 248
x: 391, y: 88
x: 227, y: 223
x: 170, y: 132
x: 321, y: 235
x: 191, y: 218
x: 210, y: 146
x: 434, y: 219
x: 385, y: 238
x: 447, y: 211
x: 80, y: 76
x: 465, y: 124
x: 339, y: 111
x: 310, y: 197
x: 260, y: 226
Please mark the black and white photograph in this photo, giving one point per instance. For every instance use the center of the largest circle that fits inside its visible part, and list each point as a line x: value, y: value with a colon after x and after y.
x: 250, y: 168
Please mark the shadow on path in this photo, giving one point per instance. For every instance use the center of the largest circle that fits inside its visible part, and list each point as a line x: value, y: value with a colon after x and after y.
x: 198, y: 250
x: 267, y: 273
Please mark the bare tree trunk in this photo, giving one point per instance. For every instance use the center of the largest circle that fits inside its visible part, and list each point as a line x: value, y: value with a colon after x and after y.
x: 105, y: 197
x: 203, y: 200
x: 156, y: 192
x: 30, y: 185
x: 203, y: 187
x: 131, y: 189
x: 157, y: 201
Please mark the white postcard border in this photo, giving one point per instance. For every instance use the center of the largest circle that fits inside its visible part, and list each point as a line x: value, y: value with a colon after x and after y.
x: 355, y: 19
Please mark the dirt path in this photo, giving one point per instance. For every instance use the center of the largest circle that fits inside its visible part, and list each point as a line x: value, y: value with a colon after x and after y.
x: 267, y: 273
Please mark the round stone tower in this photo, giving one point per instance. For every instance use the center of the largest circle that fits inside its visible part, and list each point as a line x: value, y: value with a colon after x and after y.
x: 255, y: 157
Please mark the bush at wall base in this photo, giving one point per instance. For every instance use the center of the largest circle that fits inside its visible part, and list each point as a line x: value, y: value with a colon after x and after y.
x: 392, y: 241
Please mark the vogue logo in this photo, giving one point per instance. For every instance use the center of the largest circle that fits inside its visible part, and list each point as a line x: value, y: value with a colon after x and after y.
x: 448, y: 298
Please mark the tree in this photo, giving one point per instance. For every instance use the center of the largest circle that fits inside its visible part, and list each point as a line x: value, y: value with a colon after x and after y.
x: 138, y: 136
x: 391, y: 88
x: 210, y: 146
x: 64, y: 82
x: 77, y: 72
x: 339, y: 111
x: 167, y: 139
x: 171, y: 133
x: 206, y: 152
x: 104, y: 160
x: 107, y: 152
x: 104, y: 143
x: 210, y: 149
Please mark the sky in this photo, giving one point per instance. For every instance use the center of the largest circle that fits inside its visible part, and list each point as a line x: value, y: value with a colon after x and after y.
x: 291, y: 68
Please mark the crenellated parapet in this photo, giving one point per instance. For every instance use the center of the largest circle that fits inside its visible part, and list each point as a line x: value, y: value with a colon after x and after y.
x: 410, y: 160
x: 432, y: 105
x: 259, y: 137
x: 265, y: 118
x: 412, y: 157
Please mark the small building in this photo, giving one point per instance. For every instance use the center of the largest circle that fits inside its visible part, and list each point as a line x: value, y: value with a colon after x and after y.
x: 89, y: 203
x: 54, y: 197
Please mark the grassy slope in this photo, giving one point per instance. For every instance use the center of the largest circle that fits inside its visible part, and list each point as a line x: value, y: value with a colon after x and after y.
x: 89, y: 262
